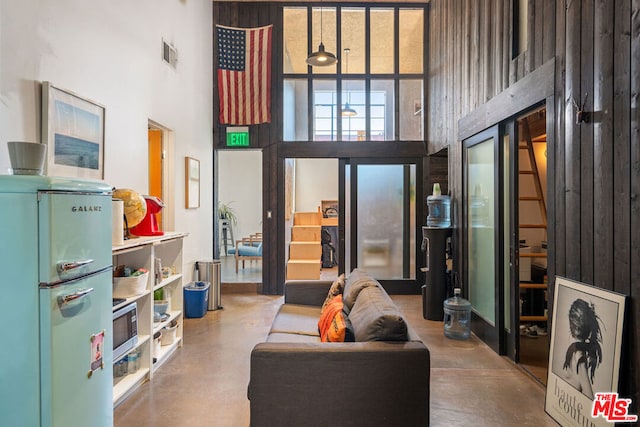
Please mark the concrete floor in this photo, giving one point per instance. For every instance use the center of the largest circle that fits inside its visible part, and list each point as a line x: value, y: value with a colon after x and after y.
x: 205, y: 381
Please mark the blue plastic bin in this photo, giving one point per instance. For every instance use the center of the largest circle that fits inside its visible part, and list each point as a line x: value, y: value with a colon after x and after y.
x: 196, y: 296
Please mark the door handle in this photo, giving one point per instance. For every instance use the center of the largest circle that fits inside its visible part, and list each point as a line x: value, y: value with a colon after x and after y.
x: 66, y: 266
x: 65, y: 299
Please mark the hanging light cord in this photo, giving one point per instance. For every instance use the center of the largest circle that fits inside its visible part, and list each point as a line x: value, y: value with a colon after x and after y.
x: 321, y: 9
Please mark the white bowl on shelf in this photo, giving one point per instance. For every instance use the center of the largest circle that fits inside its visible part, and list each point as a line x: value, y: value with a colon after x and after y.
x: 160, y: 306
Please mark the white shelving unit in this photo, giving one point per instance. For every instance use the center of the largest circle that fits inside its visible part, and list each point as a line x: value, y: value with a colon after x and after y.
x: 141, y: 252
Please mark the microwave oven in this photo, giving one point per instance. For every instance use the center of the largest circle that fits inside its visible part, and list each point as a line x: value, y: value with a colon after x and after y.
x: 125, y: 330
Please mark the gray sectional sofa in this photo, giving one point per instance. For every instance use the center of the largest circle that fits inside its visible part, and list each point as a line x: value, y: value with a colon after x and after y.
x: 381, y: 379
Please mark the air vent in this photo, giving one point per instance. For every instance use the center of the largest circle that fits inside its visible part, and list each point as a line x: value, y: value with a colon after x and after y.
x: 169, y: 54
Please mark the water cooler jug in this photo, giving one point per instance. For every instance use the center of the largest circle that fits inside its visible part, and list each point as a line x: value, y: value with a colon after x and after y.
x: 457, y: 317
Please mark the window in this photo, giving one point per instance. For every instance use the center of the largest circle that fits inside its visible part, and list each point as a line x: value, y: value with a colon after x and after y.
x: 379, y: 75
x: 325, y: 115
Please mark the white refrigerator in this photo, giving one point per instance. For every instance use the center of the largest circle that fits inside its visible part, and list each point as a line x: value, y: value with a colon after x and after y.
x: 56, y: 299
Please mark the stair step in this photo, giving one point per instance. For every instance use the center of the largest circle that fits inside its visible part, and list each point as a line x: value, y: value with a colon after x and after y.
x: 305, y: 250
x: 306, y: 218
x: 530, y: 198
x: 306, y: 233
x: 303, y: 269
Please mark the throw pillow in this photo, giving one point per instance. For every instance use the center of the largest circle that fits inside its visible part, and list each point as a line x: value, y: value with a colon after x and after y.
x: 328, y: 313
x: 340, y: 329
x: 336, y: 289
x: 334, y: 325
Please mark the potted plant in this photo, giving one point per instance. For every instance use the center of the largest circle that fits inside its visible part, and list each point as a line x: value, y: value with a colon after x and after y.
x: 225, y: 211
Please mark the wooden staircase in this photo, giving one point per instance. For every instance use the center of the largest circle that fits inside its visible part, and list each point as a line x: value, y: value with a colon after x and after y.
x: 525, y: 203
x: 305, y: 249
x: 533, y: 171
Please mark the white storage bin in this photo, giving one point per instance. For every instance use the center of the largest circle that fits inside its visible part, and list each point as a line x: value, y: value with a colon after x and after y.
x: 156, y: 343
x: 169, y: 335
x: 127, y: 287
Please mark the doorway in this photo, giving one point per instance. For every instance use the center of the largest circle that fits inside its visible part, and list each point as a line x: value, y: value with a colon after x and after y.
x: 505, y: 238
x: 239, y: 196
x: 161, y: 171
x: 381, y: 220
x: 531, y: 161
x: 311, y: 218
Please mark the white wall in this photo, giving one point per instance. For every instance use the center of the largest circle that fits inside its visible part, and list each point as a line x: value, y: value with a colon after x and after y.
x: 240, y: 185
x: 110, y: 52
x: 316, y: 180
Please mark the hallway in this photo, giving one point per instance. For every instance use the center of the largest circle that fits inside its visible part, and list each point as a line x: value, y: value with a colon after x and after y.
x: 205, y: 382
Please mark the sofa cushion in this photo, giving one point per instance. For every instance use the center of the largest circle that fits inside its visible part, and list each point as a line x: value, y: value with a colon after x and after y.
x: 375, y: 317
x: 336, y: 289
x: 250, y: 250
x: 297, y: 319
x: 292, y: 338
x: 356, y: 282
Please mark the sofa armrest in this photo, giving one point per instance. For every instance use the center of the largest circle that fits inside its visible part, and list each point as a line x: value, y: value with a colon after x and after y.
x: 368, y: 384
x: 306, y: 292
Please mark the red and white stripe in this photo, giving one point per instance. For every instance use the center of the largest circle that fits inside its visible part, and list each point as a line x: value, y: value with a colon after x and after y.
x: 245, y: 96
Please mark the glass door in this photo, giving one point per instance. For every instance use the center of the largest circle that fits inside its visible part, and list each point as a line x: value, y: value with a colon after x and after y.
x: 482, y: 217
x: 382, y: 221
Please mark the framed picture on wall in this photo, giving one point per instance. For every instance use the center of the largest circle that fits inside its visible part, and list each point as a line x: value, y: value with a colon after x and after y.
x: 73, y: 128
x: 192, y: 182
x: 584, y: 358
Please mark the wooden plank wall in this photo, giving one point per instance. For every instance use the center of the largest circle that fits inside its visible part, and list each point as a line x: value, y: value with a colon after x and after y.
x: 597, y: 214
x: 594, y: 176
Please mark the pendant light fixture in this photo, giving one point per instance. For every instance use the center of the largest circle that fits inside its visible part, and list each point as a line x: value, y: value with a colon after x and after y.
x: 321, y: 58
x: 347, y: 110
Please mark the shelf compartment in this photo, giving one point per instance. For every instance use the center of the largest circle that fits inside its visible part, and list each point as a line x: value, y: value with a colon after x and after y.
x: 165, y: 352
x: 167, y: 281
x: 130, y: 300
x: 141, y: 340
x: 127, y: 383
x: 172, y: 315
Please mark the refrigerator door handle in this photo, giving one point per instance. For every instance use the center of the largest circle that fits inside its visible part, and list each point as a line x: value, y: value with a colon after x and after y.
x: 47, y: 285
x: 65, y: 299
x: 66, y: 266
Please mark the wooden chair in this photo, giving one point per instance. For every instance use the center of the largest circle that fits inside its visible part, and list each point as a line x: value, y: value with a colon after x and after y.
x: 248, y: 248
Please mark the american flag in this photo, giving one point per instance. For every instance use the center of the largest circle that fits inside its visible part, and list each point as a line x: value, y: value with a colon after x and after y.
x: 244, y: 75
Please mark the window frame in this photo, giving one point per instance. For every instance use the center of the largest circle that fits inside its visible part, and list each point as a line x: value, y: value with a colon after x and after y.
x: 367, y: 77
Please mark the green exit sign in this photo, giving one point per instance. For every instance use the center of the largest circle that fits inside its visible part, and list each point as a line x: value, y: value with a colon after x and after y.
x: 238, y: 136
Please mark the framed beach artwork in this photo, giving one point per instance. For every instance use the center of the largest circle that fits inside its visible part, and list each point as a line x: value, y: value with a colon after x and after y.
x: 73, y: 128
x: 584, y: 358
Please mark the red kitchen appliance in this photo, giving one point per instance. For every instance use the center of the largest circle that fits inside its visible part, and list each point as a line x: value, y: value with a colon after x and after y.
x: 149, y: 225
